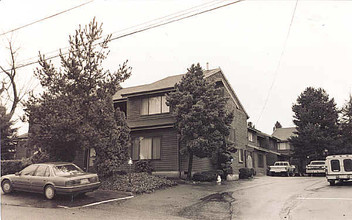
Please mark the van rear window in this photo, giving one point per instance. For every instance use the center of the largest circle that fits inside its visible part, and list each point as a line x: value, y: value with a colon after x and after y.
x: 347, y: 163
x: 335, y: 165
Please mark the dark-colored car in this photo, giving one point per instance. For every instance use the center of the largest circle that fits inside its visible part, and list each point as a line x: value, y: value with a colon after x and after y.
x: 51, y: 179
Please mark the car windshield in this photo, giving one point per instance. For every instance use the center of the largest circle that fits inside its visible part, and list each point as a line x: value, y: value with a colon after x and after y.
x: 318, y: 163
x: 66, y: 170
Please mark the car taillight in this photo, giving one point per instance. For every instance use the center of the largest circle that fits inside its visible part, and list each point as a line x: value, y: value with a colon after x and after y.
x: 72, y: 182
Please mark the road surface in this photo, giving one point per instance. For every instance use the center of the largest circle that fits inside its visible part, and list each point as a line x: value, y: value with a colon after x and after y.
x: 293, y: 198
x: 260, y: 198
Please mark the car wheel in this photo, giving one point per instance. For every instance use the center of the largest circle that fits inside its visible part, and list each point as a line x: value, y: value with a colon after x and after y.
x: 6, y: 186
x: 49, y: 192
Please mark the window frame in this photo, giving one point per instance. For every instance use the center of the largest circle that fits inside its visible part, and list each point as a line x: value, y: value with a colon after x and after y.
x: 146, y: 100
x: 338, y: 162
x: 240, y: 155
x: 138, y: 140
x: 250, y: 136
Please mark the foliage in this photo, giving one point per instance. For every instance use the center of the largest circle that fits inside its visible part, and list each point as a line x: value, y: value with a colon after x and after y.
x: 346, y: 127
x: 316, y: 119
x: 207, y: 176
x: 142, y: 166
x: 225, y: 161
x: 7, y: 135
x: 141, y: 183
x: 13, y: 166
x: 201, y: 118
x: 246, y: 173
x: 76, y: 110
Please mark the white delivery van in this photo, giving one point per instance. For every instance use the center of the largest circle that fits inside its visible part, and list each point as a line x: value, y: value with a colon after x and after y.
x: 338, y: 168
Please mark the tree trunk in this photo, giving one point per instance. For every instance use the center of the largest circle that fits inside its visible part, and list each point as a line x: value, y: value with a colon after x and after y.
x: 190, y: 163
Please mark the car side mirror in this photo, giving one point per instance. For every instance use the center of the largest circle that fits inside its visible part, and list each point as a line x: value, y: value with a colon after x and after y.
x: 17, y: 173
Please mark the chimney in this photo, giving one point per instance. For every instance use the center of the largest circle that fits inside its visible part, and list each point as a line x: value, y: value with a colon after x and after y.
x: 207, y: 66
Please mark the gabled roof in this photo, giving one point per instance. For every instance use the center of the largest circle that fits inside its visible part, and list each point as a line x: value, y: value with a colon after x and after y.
x: 166, y: 83
x: 284, y: 133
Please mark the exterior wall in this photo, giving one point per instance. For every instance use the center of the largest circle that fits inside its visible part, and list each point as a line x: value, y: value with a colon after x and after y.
x: 199, y: 164
x: 168, y: 150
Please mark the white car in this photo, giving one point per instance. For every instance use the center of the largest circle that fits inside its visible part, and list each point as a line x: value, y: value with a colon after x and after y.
x: 338, y: 168
x: 316, y: 167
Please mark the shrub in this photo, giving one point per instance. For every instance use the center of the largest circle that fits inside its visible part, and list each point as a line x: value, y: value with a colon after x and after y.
x: 142, y: 166
x: 245, y: 173
x: 140, y: 183
x: 13, y: 166
x: 207, y: 176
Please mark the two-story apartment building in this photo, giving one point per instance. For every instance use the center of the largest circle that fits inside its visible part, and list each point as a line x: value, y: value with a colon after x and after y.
x: 261, y: 150
x: 152, y: 125
x: 284, y: 146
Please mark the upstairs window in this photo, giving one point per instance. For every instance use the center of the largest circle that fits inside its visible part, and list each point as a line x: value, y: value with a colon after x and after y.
x: 154, y: 105
x: 250, y: 136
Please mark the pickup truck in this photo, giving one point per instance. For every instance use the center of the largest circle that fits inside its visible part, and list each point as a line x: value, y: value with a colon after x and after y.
x: 315, y: 167
x: 282, y: 168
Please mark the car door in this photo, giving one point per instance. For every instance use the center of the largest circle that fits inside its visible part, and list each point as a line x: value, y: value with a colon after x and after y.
x: 22, y: 181
x: 40, y: 178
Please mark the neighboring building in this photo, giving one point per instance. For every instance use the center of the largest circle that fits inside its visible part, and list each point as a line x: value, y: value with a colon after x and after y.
x: 284, y: 146
x: 21, y: 149
x: 261, y: 151
x: 152, y: 126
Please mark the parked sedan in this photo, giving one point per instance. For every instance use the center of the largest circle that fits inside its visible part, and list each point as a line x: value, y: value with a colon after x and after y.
x: 51, y: 179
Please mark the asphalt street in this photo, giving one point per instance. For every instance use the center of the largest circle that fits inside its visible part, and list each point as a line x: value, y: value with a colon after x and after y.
x: 258, y: 198
x: 293, y: 198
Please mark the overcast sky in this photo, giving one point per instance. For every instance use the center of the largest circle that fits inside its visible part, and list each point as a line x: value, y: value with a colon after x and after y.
x: 246, y: 40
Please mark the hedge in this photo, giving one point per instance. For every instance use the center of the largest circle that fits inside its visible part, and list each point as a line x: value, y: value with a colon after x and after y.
x: 207, y: 176
x: 246, y: 173
x: 13, y: 166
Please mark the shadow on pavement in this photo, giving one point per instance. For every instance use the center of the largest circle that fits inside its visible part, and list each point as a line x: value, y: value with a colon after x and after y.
x: 38, y: 201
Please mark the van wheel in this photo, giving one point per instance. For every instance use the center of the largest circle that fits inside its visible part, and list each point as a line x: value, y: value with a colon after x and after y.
x: 332, y: 182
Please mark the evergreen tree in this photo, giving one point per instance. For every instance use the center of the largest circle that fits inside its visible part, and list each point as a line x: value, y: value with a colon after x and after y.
x: 7, y: 135
x: 201, y: 118
x: 316, y: 119
x: 76, y: 110
x: 346, y: 127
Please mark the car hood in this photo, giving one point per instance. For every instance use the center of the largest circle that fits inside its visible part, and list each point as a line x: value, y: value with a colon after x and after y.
x: 8, y: 176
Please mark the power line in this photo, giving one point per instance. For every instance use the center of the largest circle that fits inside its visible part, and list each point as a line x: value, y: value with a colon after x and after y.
x: 40, y: 20
x: 189, y: 10
x: 279, y: 63
x: 142, y: 29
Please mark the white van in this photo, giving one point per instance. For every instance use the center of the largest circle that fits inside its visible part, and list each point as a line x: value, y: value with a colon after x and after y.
x: 338, y: 168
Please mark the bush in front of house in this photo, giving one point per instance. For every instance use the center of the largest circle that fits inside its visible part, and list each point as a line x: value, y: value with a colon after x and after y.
x: 140, y: 183
x: 13, y: 166
x: 245, y: 173
x: 142, y: 166
x: 207, y: 176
